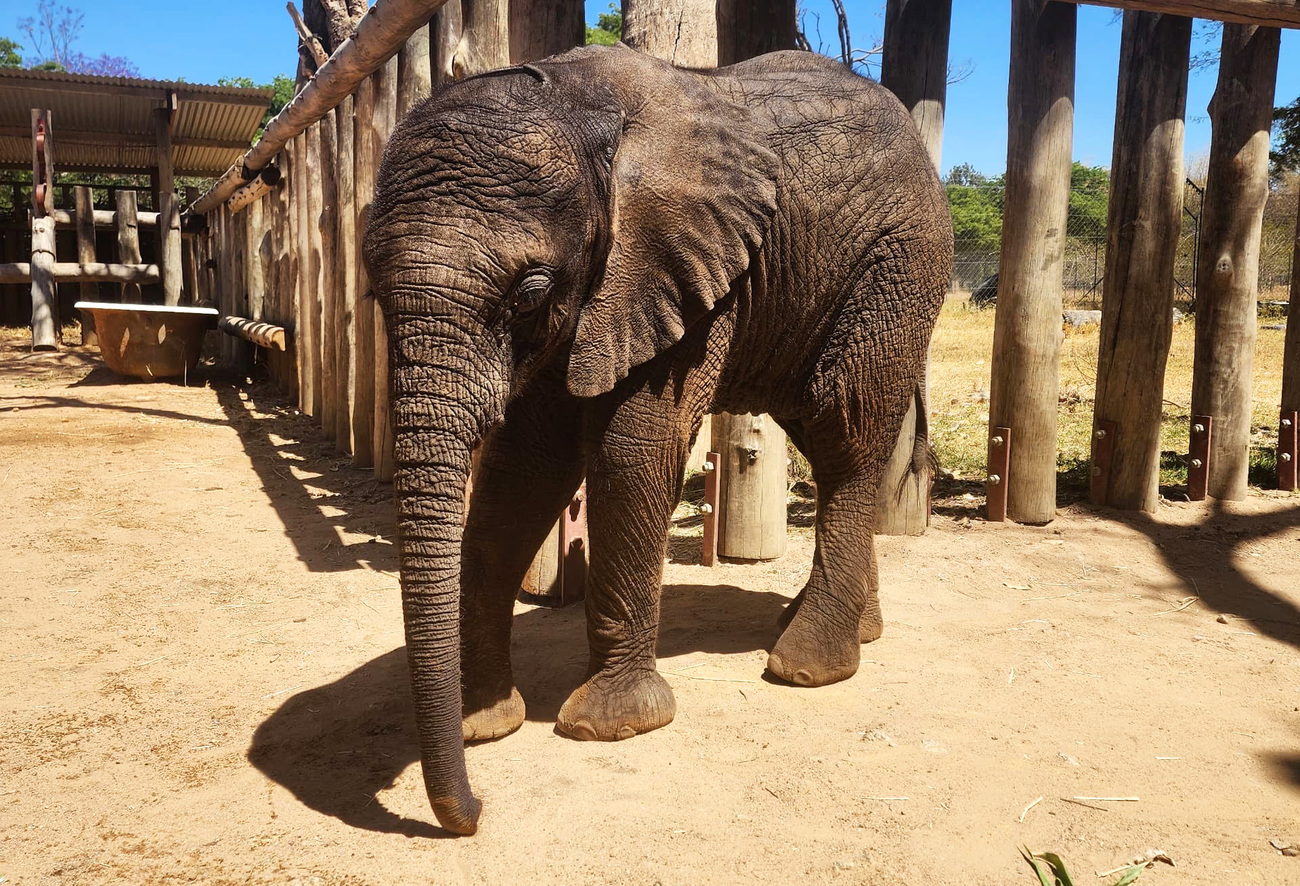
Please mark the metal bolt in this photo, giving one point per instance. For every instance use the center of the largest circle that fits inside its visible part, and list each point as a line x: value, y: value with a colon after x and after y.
x: 996, y: 441
x: 1096, y: 471
x: 1285, y: 456
x: 1286, y: 422
x: 994, y: 479
x: 1198, y: 429
x: 708, y: 466
x: 1099, y: 434
x: 706, y: 508
x: 1196, y: 463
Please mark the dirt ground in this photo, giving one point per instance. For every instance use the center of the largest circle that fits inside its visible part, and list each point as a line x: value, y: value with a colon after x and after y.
x: 204, y: 682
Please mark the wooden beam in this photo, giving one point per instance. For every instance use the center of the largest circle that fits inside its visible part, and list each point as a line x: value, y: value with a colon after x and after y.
x: 1236, y: 190
x: 385, y: 117
x: 265, y: 335
x: 1145, y: 209
x: 169, y: 208
x: 128, y: 238
x: 127, y: 139
x: 1027, y: 330
x: 1269, y: 13
x: 261, y: 185
x: 363, y: 317
x: 104, y: 218
x: 914, y: 66
x: 85, y: 202
x: 345, y: 274
x: 79, y: 272
x: 378, y: 36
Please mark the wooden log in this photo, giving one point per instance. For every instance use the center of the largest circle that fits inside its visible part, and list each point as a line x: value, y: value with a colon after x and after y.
x: 683, y: 32
x: 169, y: 210
x: 444, y: 38
x: 255, y: 270
x: 363, y: 177
x: 103, y: 218
x: 1268, y: 13
x: 304, y: 341
x: 378, y: 35
x: 77, y: 272
x: 540, y: 28
x: 414, y: 74
x: 42, y: 162
x: 383, y: 120
x: 84, y: 199
x: 128, y: 239
x: 306, y: 37
x: 286, y: 364
x: 265, y: 335
x: 752, y: 501
x: 485, y: 37
x: 1232, y: 215
x: 1027, y: 329
x: 262, y: 184
x: 345, y: 276
x: 1146, y: 206
x: 914, y: 66
x: 244, y: 355
x: 327, y: 232
x: 316, y: 278
x: 45, y: 333
x: 748, y: 28
x: 1291, y: 350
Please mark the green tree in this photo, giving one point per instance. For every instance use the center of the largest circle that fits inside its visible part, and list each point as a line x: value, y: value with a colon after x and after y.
x: 608, y: 29
x: 1286, y: 135
x: 1089, y: 199
x: 976, y: 203
x: 9, y: 55
x: 282, y: 86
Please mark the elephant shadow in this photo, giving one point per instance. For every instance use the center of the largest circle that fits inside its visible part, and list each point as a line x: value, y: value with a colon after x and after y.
x: 336, y: 746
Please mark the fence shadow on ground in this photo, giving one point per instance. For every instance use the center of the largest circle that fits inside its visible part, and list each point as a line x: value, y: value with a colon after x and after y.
x: 336, y: 746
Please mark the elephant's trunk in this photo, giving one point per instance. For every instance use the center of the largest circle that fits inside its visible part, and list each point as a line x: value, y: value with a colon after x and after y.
x: 440, y: 410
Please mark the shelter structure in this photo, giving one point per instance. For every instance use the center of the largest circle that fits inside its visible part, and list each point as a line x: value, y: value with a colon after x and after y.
x: 84, y: 126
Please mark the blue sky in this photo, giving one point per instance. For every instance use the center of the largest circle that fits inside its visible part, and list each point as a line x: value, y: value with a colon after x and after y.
x: 182, y: 38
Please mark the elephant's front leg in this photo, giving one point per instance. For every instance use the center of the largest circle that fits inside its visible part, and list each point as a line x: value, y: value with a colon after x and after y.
x: 634, y: 478
x: 527, y: 472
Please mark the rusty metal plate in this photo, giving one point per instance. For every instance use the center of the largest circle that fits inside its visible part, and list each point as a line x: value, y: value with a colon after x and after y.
x: 1198, y: 457
x: 712, y: 468
x: 999, y: 466
x: 1288, y: 450
x: 1103, y: 448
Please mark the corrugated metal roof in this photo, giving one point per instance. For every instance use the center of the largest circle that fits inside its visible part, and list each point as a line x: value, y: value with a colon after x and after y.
x: 107, y: 122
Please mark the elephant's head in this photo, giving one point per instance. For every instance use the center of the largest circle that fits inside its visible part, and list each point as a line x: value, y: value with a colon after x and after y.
x: 586, y: 210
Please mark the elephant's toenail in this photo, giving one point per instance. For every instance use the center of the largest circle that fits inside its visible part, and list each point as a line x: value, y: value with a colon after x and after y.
x: 625, y: 732
x: 582, y: 731
x: 803, y: 678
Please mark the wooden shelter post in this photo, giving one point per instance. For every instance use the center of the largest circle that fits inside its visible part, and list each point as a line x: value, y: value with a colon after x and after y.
x: 331, y: 394
x: 45, y: 302
x: 84, y: 203
x: 315, y: 291
x: 1027, y: 329
x: 128, y: 239
x: 363, y: 316
x: 1289, y: 473
x: 385, y: 117
x: 345, y: 276
x: 1241, y: 116
x: 914, y: 66
x: 169, y: 209
x: 1145, y: 211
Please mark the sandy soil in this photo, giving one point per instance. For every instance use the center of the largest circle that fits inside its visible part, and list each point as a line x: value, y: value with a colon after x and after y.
x: 204, y: 682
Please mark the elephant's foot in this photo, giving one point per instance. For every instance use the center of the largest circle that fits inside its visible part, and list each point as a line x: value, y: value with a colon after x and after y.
x: 809, y: 654
x: 493, y: 719
x: 612, y: 708
x: 870, y: 626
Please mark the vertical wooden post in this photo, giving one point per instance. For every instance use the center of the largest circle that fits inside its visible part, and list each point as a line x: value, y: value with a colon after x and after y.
x: 485, y: 37
x: 385, y: 117
x: 128, y: 239
x: 444, y: 38
x: 363, y: 177
x: 1027, y: 329
x: 1291, y: 357
x: 45, y: 303
x: 539, y: 28
x: 747, y: 28
x: 914, y: 66
x: 345, y: 276
x: 681, y: 32
x: 752, y: 503
x: 1241, y: 115
x: 169, y: 209
x: 316, y: 275
x: 1145, y: 211
x: 328, y: 225
x: 304, y: 333
x: 84, y: 201
x: 256, y: 270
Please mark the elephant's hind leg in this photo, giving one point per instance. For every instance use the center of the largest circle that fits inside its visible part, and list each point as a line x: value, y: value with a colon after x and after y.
x: 526, y: 474
x: 839, y: 608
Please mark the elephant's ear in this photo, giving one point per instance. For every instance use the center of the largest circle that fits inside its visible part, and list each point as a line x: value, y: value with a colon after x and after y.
x: 692, y: 191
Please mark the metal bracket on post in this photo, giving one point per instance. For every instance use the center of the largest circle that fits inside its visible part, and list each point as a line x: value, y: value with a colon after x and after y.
x: 712, y: 462
x: 573, y: 549
x: 999, y: 467
x: 1198, y: 457
x: 1103, y: 446
x: 1288, y: 449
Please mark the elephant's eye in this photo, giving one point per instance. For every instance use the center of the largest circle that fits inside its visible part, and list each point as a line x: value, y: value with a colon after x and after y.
x: 531, y: 291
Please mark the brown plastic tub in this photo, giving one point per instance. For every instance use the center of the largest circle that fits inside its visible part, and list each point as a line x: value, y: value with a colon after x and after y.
x: 149, y: 341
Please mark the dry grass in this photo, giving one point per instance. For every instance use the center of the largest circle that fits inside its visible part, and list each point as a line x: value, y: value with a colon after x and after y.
x: 959, y: 386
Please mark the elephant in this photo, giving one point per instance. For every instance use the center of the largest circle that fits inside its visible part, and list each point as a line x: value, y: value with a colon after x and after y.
x: 578, y: 259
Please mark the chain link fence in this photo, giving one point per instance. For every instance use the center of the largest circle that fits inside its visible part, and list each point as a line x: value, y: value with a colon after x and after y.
x: 977, y: 208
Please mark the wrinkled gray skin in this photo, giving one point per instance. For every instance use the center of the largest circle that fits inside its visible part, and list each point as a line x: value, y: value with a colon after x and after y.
x: 576, y: 262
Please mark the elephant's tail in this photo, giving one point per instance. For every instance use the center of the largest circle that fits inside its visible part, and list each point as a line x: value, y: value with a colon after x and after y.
x: 925, y: 462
